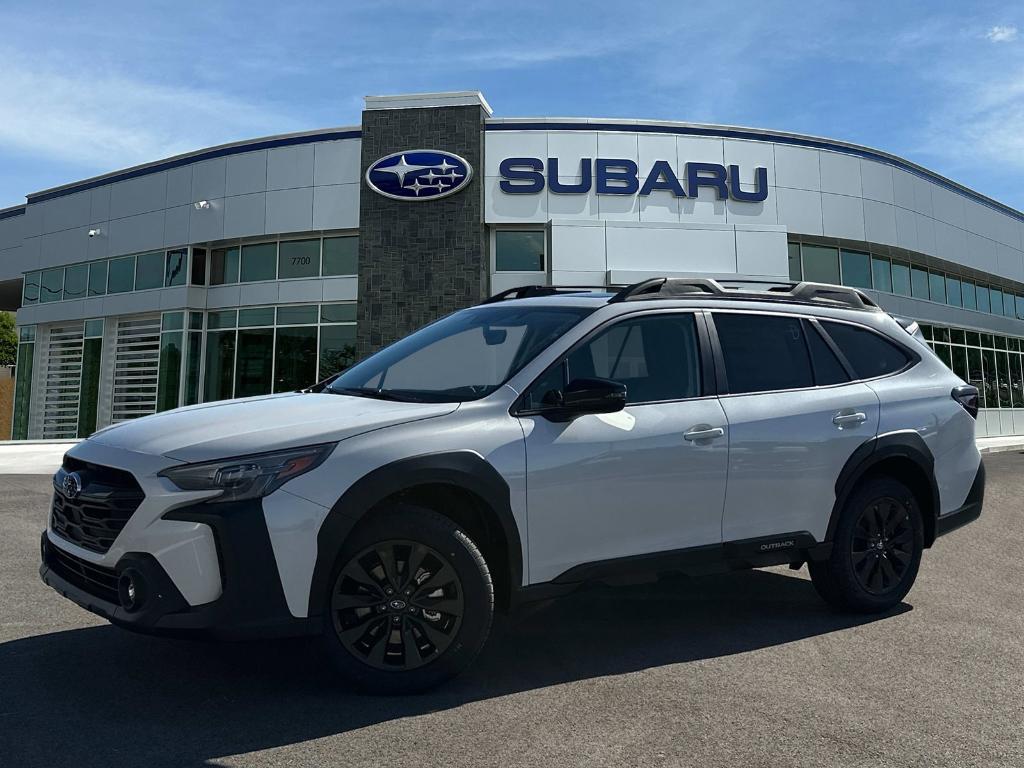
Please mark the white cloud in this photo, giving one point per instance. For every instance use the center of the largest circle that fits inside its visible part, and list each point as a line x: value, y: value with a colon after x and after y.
x: 1002, y: 34
x: 107, y: 121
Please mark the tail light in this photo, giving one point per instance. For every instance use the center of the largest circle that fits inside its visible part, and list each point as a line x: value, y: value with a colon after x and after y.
x: 967, y: 396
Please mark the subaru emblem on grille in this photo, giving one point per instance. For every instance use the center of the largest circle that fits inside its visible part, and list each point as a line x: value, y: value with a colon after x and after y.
x: 72, y: 485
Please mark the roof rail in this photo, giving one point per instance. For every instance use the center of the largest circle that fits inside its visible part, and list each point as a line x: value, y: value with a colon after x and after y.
x: 745, y: 288
x: 532, y: 291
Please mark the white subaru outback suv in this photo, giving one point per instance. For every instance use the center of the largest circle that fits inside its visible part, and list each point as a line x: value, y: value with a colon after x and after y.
x: 545, y: 438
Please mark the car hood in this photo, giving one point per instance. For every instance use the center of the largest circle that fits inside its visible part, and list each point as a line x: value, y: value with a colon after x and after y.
x: 257, y: 424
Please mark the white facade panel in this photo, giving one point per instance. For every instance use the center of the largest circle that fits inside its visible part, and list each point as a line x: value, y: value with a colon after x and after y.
x: 245, y: 215
x: 143, y: 194
x: 290, y: 210
x: 906, y: 228
x: 175, y: 227
x: 99, y: 204
x: 925, y: 234
x: 581, y: 206
x: 65, y: 212
x: 876, y: 181
x: 879, y: 222
x: 209, y: 178
x: 1009, y: 262
x: 336, y: 162
x: 653, y: 147
x: 570, y: 147
x: 698, y: 149
x: 259, y: 293
x: 245, y: 173
x: 982, y: 252
x: 923, y: 196
x: 799, y: 210
x: 749, y: 155
x: 951, y: 244
x: 300, y: 291
x: 659, y: 206
x: 66, y: 246
x: 12, y: 232
x: 948, y: 206
x: 840, y: 174
x: 766, y: 212
x: 671, y: 248
x: 290, y: 167
x: 618, y: 146
x: 842, y: 216
x: 336, y: 206
x: 207, y: 224
x: 179, y: 185
x: 762, y: 252
x: 903, y: 189
x: 502, y: 144
x: 500, y: 208
x: 704, y: 209
x: 797, y: 168
x: 620, y: 207
x: 578, y: 247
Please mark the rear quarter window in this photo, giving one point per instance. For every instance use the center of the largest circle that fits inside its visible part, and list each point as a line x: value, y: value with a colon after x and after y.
x: 868, y: 353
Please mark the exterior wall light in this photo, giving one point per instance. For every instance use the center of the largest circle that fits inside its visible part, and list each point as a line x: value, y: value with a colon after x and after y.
x: 94, y: 232
x: 202, y: 205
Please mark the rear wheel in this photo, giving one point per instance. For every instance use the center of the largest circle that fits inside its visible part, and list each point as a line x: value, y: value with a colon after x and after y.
x: 876, y: 549
x: 411, y: 602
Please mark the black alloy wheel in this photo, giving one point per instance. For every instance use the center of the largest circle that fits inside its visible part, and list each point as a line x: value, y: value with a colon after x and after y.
x: 397, y: 605
x: 882, y: 546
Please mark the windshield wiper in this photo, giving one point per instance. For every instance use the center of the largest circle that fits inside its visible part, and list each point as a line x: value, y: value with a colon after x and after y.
x: 375, y: 394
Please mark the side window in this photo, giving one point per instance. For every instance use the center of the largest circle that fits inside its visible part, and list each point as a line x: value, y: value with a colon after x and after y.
x: 868, y: 353
x: 657, y: 357
x: 763, y: 352
x: 827, y: 368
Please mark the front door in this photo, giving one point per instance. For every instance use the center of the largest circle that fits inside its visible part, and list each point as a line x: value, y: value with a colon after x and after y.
x: 647, y: 479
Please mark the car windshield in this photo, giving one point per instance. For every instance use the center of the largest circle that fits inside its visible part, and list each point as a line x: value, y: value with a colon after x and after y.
x: 463, y: 356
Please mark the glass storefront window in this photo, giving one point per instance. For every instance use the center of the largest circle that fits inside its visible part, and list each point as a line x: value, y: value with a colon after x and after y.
x: 169, y: 381
x: 974, y: 373
x: 30, y: 290
x: 198, y: 276
x: 338, y: 313
x: 295, y: 358
x: 794, y: 262
x: 257, y: 316
x: 983, y: 298
x: 996, y: 297
x: 856, y: 269
x: 23, y: 388
x: 298, y: 258
x: 220, y: 365
x: 176, y: 270
x: 149, y: 271
x: 881, y: 274
x: 121, y: 277
x: 919, y: 283
x: 76, y: 279
x: 51, y: 286
x: 259, y: 262
x: 953, y: 291
x: 297, y: 315
x: 192, y: 365
x: 941, y: 333
x: 98, y: 278
x: 341, y: 255
x: 1003, y: 369
x: 224, y: 318
x: 337, y: 349
x: 1015, y: 380
x: 1020, y: 307
x: 1009, y: 308
x: 172, y: 321
x: 900, y: 278
x: 988, y: 360
x: 937, y: 287
x: 523, y: 251
x: 968, y: 294
x: 223, y: 266
x: 253, y: 362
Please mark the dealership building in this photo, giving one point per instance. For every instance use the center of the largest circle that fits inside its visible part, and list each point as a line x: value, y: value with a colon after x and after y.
x: 265, y: 265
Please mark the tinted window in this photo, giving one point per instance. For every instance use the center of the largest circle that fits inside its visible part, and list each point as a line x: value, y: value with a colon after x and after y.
x: 868, y: 353
x: 656, y: 357
x: 763, y: 352
x: 827, y: 368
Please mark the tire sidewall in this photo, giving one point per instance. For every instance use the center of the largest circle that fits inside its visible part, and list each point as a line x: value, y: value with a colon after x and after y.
x: 442, y: 535
x: 841, y: 563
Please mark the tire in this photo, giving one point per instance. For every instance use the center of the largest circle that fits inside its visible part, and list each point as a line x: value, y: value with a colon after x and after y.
x: 876, y: 549
x: 410, y: 605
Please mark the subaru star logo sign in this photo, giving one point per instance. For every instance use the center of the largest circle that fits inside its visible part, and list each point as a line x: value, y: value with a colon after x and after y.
x: 419, y: 174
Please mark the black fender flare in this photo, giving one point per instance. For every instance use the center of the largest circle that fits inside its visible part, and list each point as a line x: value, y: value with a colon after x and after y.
x: 463, y: 469
x: 905, y: 444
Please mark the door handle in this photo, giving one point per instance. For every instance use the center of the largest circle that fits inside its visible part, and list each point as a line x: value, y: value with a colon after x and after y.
x: 849, y: 419
x: 703, y: 433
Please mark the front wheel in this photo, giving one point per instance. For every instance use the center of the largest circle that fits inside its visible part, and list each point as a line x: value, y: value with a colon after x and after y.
x: 411, y: 602
x: 876, y: 550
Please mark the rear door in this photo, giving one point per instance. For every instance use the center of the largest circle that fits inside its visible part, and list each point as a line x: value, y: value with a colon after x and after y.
x: 795, y: 416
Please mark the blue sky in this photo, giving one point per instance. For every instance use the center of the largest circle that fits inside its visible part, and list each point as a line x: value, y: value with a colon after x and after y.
x: 88, y: 87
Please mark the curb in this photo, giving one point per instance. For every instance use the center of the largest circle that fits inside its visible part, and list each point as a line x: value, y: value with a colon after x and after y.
x: 1001, y: 448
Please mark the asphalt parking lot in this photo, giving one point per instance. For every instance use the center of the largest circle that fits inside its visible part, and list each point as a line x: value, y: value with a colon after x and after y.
x: 746, y: 670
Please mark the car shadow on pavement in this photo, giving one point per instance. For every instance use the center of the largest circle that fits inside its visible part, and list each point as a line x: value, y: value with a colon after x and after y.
x: 103, y: 696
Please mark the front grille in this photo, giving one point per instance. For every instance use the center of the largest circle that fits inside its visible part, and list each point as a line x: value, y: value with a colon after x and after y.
x: 93, y: 518
x: 95, y: 579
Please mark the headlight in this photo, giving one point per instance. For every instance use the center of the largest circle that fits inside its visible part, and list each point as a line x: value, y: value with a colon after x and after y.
x: 248, y: 477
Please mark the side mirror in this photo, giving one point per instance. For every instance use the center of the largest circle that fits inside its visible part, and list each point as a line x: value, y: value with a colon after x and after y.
x: 582, y: 396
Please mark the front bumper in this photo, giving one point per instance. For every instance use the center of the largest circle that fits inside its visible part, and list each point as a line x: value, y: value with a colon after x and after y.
x: 969, y: 511
x: 251, y: 604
